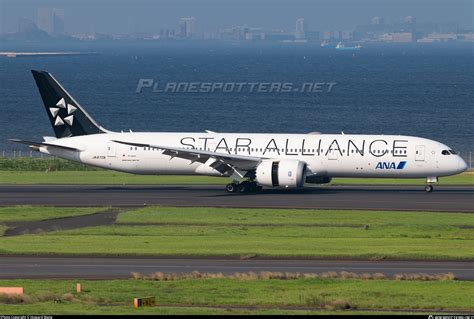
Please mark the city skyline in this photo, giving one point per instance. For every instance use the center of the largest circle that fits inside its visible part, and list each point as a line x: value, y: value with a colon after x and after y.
x: 150, y: 17
x: 50, y: 24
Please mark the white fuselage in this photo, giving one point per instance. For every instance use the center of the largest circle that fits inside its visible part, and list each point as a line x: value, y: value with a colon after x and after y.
x: 325, y: 154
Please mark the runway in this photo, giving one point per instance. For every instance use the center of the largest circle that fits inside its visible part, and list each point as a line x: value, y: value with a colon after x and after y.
x: 107, y: 268
x: 412, y: 198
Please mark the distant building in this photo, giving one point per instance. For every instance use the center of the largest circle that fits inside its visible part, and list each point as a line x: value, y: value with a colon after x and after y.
x: 300, y: 32
x: 27, y: 30
x: 377, y: 20
x: 346, y: 35
x: 409, y: 20
x: 51, y: 20
x: 468, y: 36
x: 439, y: 37
x: 330, y: 35
x: 254, y: 34
x: 187, y: 27
x: 234, y: 33
x: 402, y: 37
x: 279, y: 35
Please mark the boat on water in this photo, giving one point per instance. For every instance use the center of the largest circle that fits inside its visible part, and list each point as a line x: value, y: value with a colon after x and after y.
x: 341, y: 46
x: 329, y: 45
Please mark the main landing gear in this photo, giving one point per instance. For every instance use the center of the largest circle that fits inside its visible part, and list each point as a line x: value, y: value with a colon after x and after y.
x: 244, y: 187
x: 428, y: 188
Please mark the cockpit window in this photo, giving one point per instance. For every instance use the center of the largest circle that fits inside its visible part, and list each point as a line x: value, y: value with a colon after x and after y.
x: 445, y: 152
x: 453, y: 152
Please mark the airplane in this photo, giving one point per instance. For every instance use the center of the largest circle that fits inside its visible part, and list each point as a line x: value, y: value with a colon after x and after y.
x: 251, y: 160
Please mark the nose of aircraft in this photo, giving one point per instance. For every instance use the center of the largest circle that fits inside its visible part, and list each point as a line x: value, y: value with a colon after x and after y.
x: 462, y: 165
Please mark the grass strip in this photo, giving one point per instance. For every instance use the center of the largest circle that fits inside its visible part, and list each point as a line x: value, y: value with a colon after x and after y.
x: 309, y: 295
x: 100, y: 177
x: 171, y: 231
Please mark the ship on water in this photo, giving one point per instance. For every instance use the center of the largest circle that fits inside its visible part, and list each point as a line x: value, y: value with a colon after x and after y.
x: 328, y: 45
x: 341, y: 46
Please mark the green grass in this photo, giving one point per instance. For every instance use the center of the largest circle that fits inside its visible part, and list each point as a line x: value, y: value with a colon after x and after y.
x: 112, y: 177
x: 254, y: 216
x: 116, y: 296
x: 466, y: 178
x: 101, y: 177
x: 35, y: 213
x: 263, y: 232
x: 42, y: 164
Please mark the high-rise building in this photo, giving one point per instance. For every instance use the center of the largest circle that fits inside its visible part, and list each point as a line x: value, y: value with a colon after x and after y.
x: 377, y: 20
x: 187, y: 27
x: 51, y: 20
x: 410, y: 20
x: 300, y: 28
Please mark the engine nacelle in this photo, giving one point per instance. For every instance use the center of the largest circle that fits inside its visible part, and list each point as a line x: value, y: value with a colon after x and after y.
x: 315, y: 179
x: 281, y: 173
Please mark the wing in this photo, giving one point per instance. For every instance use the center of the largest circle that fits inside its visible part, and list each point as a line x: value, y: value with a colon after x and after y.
x: 224, y: 162
x: 43, y: 144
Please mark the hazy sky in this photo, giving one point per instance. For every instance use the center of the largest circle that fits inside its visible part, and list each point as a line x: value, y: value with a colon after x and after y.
x: 123, y: 16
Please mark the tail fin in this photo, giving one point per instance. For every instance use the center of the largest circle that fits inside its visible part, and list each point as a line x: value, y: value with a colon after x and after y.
x: 67, y: 117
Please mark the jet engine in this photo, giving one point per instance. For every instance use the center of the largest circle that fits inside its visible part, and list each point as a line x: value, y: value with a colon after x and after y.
x: 281, y: 173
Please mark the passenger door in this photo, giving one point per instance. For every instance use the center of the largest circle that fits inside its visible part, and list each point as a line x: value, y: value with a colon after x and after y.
x: 420, y: 153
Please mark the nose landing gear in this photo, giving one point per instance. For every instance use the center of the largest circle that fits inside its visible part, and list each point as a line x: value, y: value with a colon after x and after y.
x: 430, y: 180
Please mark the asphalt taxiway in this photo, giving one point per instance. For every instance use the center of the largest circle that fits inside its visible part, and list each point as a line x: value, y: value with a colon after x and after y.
x: 406, y: 198
x: 120, y: 267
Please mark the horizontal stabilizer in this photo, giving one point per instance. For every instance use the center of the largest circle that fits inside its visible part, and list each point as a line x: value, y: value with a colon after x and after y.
x: 43, y: 144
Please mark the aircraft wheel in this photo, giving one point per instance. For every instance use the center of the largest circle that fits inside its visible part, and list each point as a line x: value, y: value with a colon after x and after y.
x: 231, y: 188
x: 428, y: 188
x: 244, y: 187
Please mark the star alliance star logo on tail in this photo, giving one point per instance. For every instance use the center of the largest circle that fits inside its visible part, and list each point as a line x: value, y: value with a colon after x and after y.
x: 69, y: 119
